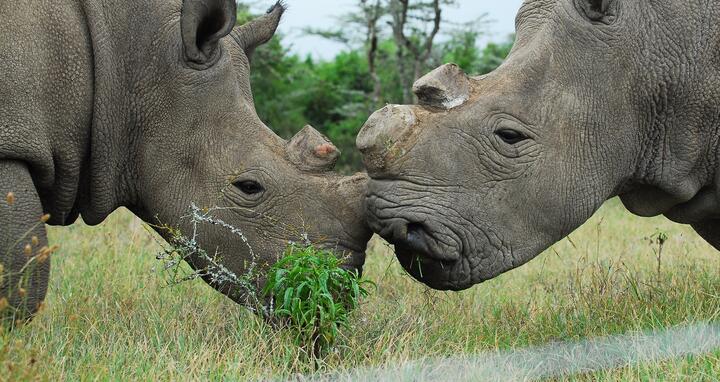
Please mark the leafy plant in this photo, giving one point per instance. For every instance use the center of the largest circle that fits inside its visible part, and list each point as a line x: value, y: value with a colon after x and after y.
x: 308, y: 291
x: 313, y: 295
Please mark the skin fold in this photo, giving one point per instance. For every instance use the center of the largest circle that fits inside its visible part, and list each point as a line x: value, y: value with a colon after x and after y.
x: 598, y: 98
x: 147, y: 105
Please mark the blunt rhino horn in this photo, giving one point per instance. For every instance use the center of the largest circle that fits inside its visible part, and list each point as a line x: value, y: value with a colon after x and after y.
x: 311, y: 151
x: 381, y: 132
x: 446, y: 87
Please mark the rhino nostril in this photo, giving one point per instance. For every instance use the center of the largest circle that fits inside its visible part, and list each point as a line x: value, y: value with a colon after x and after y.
x: 415, y: 232
x: 417, y: 239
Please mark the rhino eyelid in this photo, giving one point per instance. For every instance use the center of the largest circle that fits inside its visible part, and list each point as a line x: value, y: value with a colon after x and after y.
x: 510, y: 136
x: 249, y: 187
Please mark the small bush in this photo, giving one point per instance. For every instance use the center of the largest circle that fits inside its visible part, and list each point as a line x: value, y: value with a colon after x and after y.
x: 308, y: 290
x: 313, y: 295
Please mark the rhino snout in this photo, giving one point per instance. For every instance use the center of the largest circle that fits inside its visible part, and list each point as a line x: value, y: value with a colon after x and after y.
x: 416, y: 238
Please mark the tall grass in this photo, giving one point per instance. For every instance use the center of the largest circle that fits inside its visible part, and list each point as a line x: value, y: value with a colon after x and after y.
x: 108, y: 316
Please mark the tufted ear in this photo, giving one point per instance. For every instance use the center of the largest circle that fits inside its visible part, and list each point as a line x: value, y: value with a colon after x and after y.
x: 596, y: 10
x: 260, y: 30
x: 203, y: 23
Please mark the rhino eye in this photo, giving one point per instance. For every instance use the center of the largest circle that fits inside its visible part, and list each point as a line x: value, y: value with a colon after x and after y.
x: 510, y: 136
x: 249, y: 187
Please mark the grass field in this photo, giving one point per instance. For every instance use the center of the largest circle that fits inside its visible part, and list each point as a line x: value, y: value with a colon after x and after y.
x: 108, y: 316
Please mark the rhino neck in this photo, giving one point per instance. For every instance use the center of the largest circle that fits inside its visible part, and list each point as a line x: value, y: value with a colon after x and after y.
x: 107, y: 180
x: 677, y: 95
x: 677, y: 174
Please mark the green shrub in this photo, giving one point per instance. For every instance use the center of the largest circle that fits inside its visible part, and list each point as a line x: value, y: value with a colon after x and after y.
x: 313, y: 295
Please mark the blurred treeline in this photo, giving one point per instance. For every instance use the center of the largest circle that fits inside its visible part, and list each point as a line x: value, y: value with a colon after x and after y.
x: 389, y: 43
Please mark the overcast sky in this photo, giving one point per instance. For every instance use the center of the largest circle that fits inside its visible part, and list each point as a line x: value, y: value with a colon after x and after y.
x: 324, y: 14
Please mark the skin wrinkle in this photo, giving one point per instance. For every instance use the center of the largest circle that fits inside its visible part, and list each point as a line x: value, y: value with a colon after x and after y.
x: 601, y: 32
x: 461, y: 221
x: 415, y: 212
x: 270, y: 227
x: 420, y: 197
x: 532, y: 12
x: 606, y: 95
x: 656, y: 125
x: 417, y: 179
x: 499, y: 171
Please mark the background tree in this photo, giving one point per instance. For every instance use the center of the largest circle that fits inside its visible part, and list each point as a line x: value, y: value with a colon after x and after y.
x: 415, y: 26
x: 373, y: 11
x: 337, y: 96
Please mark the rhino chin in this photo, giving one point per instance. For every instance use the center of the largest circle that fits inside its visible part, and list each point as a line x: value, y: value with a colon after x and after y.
x: 435, y: 273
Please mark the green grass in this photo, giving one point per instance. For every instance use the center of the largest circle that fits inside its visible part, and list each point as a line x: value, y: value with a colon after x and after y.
x: 108, y: 316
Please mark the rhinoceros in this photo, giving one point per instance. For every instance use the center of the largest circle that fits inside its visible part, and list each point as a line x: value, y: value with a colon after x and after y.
x: 147, y: 105
x: 597, y: 99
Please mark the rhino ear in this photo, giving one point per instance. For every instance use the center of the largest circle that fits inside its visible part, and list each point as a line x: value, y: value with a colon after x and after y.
x: 596, y: 10
x: 203, y: 23
x: 260, y: 30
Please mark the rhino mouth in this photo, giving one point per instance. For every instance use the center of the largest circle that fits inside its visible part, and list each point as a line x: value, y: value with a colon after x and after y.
x: 436, y: 274
x: 428, y: 250
x: 413, y: 230
x: 423, y: 239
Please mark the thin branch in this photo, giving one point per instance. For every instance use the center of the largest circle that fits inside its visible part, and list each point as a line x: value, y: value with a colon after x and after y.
x: 372, y: 15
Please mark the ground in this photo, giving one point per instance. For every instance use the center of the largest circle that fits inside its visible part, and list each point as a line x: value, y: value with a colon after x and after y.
x: 109, y: 316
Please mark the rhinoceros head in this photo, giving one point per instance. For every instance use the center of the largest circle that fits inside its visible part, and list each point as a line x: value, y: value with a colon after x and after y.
x: 487, y: 172
x: 204, y: 145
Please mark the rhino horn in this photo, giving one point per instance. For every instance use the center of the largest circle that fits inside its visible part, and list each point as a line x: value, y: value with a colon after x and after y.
x: 446, y: 87
x: 311, y: 151
x: 260, y: 30
x: 381, y: 132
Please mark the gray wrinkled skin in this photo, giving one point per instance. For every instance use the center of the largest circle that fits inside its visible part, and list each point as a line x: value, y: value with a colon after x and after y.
x: 598, y: 98
x: 147, y: 104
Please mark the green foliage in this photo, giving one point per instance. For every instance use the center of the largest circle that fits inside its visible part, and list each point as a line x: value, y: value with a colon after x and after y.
x: 313, y: 295
x: 462, y: 49
x: 307, y: 288
x: 493, y: 55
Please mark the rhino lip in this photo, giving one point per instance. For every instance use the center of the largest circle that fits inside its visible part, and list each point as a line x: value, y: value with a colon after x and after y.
x: 410, y: 230
x: 431, y: 272
x: 420, y: 239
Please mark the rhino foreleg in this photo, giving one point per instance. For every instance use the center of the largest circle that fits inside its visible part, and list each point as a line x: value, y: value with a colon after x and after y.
x: 23, y: 245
